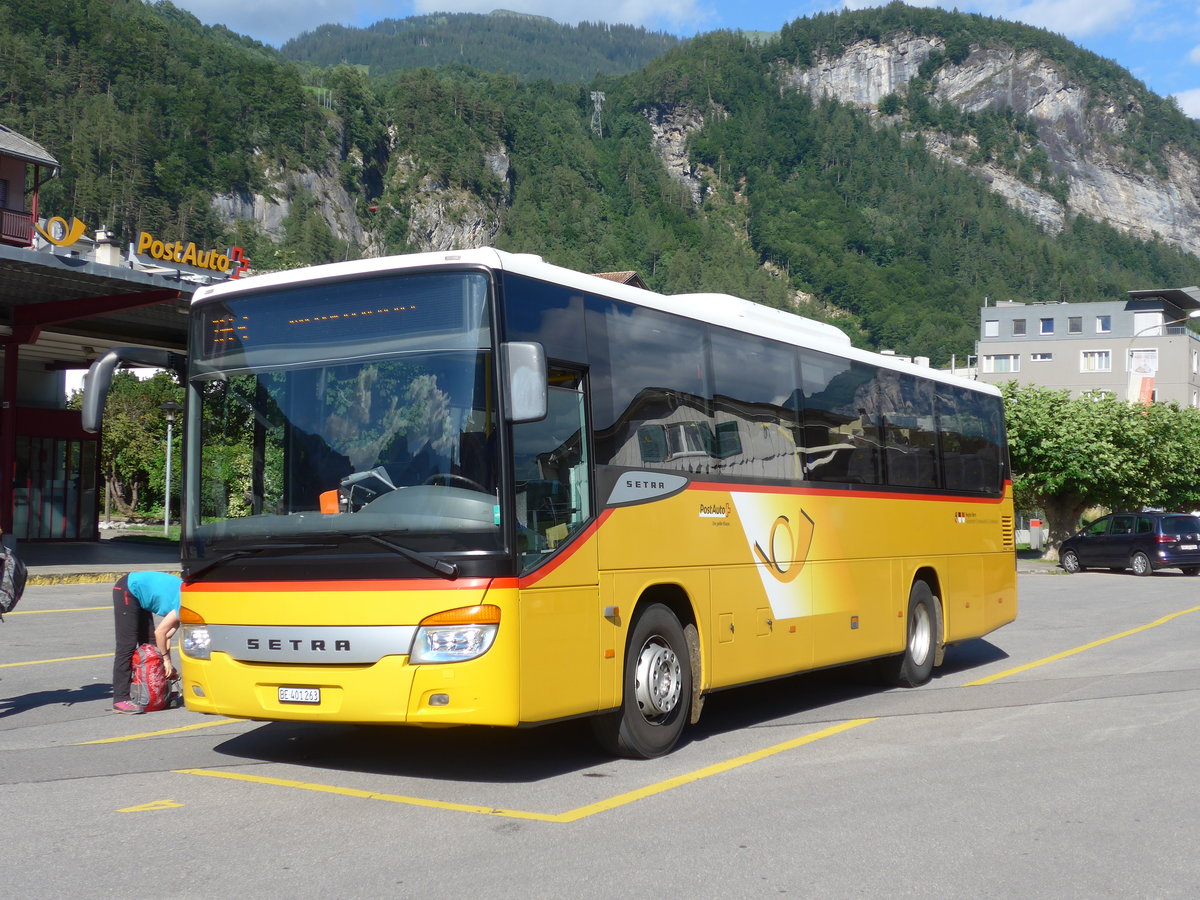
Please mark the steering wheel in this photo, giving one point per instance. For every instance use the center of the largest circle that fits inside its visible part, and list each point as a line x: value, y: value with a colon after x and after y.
x: 448, y: 478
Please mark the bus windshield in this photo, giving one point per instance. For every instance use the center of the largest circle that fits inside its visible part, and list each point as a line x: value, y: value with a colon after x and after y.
x: 346, y: 408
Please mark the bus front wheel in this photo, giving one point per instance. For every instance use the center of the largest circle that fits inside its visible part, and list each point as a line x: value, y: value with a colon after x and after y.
x: 656, y: 689
x: 914, y: 666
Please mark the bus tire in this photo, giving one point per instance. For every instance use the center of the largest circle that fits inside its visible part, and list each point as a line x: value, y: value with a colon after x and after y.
x: 656, y: 689
x: 914, y: 666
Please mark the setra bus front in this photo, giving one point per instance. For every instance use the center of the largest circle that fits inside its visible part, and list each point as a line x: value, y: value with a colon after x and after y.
x: 346, y: 553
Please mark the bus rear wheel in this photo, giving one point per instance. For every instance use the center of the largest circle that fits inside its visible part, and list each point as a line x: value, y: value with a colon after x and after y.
x: 914, y: 666
x: 656, y: 688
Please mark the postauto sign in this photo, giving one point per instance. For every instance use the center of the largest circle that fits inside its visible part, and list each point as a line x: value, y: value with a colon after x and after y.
x: 233, y: 264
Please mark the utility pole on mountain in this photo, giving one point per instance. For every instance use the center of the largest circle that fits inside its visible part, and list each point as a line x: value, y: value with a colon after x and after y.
x: 597, y: 104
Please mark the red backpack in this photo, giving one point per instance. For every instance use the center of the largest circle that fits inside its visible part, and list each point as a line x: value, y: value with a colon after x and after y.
x: 148, y: 687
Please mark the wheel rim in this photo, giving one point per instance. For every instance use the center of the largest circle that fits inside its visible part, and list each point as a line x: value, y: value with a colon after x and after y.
x: 658, y: 679
x: 1140, y: 564
x: 1070, y: 562
x: 920, y: 629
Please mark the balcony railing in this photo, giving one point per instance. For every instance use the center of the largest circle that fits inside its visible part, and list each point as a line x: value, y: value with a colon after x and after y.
x: 1177, y: 329
x: 16, y: 228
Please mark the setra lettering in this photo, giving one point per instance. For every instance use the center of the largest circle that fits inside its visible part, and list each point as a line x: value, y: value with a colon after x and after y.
x: 313, y: 645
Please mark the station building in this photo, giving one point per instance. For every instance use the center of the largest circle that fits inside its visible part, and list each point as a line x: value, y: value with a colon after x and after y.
x: 69, y: 291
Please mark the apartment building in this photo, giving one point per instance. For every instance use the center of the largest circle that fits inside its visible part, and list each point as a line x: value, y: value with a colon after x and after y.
x: 1143, y: 348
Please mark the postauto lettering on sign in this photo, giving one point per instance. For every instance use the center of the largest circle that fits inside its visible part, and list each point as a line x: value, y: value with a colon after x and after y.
x: 189, y: 255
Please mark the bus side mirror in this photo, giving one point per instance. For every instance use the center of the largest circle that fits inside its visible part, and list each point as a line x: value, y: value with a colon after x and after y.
x: 99, y: 377
x: 525, y: 374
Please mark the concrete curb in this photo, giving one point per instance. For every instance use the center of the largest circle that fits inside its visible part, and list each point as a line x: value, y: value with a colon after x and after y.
x: 74, y: 578
x: 98, y: 574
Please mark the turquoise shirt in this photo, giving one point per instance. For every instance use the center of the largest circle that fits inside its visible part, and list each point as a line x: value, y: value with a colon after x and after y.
x: 157, y: 592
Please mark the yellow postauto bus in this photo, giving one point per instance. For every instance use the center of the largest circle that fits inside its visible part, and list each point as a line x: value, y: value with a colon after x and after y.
x: 476, y: 488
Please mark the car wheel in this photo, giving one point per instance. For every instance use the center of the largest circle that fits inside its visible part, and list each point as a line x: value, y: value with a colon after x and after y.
x: 914, y: 666
x: 1070, y: 562
x: 1140, y: 563
x: 657, y: 689
x: 1191, y: 570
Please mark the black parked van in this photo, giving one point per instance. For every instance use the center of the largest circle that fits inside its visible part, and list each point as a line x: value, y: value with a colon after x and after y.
x: 1144, y: 542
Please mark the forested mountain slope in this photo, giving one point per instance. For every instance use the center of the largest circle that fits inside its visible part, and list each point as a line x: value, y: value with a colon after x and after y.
x: 529, y: 47
x: 888, y: 169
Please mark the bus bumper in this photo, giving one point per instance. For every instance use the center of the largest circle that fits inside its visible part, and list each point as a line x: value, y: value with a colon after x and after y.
x: 480, y: 692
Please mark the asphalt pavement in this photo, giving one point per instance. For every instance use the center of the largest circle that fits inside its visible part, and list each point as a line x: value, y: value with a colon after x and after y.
x: 1049, y: 760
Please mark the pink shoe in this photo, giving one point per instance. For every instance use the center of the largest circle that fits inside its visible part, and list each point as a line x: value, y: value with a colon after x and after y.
x: 129, y: 707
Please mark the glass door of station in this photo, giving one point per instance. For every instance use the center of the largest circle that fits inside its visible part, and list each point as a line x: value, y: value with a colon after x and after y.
x: 54, y: 491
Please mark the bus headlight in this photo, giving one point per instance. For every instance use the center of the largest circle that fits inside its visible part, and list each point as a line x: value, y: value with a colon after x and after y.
x: 456, y: 635
x: 195, y: 641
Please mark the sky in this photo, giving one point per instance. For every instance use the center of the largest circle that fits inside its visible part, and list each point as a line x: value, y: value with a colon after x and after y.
x: 1157, y: 40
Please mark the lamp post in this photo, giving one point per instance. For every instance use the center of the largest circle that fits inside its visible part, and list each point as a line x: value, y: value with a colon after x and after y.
x: 169, y: 409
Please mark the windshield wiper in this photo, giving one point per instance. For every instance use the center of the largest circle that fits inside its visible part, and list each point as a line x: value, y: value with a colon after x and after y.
x: 446, y: 569
x: 254, y: 550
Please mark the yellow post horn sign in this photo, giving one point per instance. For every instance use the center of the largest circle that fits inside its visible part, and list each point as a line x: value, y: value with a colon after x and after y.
x: 59, y: 233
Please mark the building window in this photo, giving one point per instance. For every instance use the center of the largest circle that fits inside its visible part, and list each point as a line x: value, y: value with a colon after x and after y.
x: 1196, y: 362
x: 1041, y: 357
x: 1047, y: 326
x: 3, y: 193
x: 1142, y: 362
x: 991, y: 328
x: 1103, y: 324
x: 1075, y: 325
x: 1095, y: 361
x: 1001, y: 363
x: 1018, y: 327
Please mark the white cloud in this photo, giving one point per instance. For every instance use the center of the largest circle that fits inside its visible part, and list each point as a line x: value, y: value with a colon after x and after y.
x: 1194, y: 55
x: 1189, y: 102
x: 276, y: 21
x: 1073, y: 18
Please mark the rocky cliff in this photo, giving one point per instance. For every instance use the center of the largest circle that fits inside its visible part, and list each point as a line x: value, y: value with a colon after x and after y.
x: 1074, y: 127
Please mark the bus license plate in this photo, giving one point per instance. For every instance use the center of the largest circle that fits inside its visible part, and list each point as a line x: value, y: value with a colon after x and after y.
x: 299, y: 695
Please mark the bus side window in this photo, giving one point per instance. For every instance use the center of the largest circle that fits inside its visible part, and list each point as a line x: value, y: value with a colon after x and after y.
x: 970, y: 426
x: 841, y: 423
x: 551, y: 462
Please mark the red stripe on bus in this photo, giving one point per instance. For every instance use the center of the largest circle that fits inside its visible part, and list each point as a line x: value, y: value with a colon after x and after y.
x: 423, y: 584
x: 827, y: 492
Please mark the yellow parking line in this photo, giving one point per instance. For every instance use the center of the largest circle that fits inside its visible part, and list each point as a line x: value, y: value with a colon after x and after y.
x: 150, y: 734
x: 708, y: 771
x: 1064, y: 654
x: 660, y: 787
x: 372, y: 795
x: 41, y: 662
x: 573, y: 815
x: 39, y: 612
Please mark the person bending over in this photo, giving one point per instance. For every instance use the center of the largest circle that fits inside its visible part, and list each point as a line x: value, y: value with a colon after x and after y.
x: 137, y: 598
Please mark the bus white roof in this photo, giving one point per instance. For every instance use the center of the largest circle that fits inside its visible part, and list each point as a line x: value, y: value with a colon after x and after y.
x: 717, y: 309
